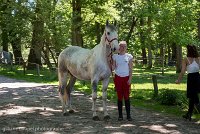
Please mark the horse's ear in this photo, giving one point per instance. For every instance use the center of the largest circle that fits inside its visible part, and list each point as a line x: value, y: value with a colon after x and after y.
x: 107, y: 22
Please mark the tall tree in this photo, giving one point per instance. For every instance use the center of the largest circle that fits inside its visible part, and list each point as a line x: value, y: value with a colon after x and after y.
x: 149, y: 43
x: 77, y: 38
x: 178, y: 58
x: 34, y: 56
x: 198, y: 26
x: 132, y: 26
x: 142, y: 41
x: 18, y: 29
x: 3, y: 23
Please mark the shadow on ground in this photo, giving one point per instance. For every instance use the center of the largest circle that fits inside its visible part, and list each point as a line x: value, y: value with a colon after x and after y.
x: 36, y: 108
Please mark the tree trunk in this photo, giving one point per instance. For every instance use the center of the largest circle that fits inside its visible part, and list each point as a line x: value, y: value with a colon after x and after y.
x: 149, y: 45
x: 133, y: 24
x: 53, y: 56
x: 162, y: 58
x: 5, y: 39
x: 149, y: 57
x: 3, y: 24
x: 161, y: 52
x: 144, y: 56
x: 77, y: 38
x: 174, y: 51
x: 56, y: 45
x: 16, y: 46
x: 16, y: 34
x: 198, y: 27
x: 178, y: 58
x: 142, y: 40
x: 98, y: 32
x: 34, y: 56
x: 169, y: 53
x: 46, y: 57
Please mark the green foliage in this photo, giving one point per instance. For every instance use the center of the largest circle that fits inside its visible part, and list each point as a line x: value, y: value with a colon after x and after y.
x: 168, y: 97
x: 142, y: 94
x: 46, y: 76
x: 171, y: 22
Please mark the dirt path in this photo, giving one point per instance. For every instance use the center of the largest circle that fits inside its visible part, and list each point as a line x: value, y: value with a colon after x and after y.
x: 35, y: 108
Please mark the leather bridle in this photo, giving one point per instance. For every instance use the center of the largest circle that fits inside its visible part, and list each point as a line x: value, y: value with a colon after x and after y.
x: 111, y: 52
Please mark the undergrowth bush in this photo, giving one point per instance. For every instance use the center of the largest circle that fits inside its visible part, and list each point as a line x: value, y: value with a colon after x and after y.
x: 169, y: 97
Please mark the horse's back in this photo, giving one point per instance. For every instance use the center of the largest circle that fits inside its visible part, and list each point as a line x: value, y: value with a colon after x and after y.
x: 74, y: 51
x: 75, y: 60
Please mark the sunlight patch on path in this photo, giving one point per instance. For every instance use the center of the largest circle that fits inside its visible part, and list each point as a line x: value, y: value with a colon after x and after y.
x: 21, y: 109
x: 160, y: 129
x: 19, y: 84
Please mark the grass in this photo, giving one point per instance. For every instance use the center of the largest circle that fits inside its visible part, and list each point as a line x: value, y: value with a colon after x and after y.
x: 142, y: 93
x: 17, y: 72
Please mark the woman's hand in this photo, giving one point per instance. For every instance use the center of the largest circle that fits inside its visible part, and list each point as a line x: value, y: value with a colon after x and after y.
x: 129, y: 82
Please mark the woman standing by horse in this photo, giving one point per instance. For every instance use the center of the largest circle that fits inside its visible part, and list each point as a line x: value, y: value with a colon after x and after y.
x: 123, y: 75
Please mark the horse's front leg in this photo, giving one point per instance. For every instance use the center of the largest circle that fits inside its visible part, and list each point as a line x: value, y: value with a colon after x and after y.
x: 105, y: 83
x: 94, y: 97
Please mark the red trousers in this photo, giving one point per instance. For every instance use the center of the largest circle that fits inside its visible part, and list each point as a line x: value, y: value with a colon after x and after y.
x: 122, y: 87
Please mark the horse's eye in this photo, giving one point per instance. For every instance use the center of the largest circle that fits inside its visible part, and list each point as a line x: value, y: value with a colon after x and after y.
x: 108, y: 33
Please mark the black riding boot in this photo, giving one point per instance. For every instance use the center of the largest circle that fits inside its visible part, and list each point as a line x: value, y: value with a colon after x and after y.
x: 188, y: 115
x: 119, y: 103
x: 127, y: 105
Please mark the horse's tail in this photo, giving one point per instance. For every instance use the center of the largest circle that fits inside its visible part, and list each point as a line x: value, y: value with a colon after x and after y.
x: 62, y: 77
x: 62, y: 84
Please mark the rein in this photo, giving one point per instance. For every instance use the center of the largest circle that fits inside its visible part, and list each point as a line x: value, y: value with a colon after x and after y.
x: 110, y: 62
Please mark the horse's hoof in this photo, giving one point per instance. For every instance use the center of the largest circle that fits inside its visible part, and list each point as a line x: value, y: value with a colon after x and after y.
x: 106, y: 118
x: 65, y: 114
x: 71, y: 111
x: 95, y: 118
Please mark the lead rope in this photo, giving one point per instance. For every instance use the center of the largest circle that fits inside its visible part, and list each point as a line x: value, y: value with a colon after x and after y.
x: 110, y: 65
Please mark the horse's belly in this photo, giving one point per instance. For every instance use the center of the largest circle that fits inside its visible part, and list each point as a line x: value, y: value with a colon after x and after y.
x: 105, y: 75
x: 82, y: 75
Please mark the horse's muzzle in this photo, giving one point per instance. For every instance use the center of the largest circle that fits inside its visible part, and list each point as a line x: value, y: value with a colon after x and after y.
x: 114, y: 49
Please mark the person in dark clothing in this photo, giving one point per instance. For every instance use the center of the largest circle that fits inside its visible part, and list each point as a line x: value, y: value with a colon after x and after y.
x: 191, y: 63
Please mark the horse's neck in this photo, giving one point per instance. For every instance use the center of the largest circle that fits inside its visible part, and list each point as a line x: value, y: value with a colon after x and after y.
x: 100, y: 51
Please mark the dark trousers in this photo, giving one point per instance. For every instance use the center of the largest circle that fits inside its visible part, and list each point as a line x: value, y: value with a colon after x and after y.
x: 193, y: 101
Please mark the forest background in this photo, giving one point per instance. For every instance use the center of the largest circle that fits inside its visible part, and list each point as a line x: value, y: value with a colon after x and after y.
x: 156, y: 31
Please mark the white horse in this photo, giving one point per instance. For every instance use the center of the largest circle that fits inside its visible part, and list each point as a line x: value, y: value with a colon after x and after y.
x: 85, y: 64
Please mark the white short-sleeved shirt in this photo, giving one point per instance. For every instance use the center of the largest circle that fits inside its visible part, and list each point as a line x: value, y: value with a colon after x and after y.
x: 122, y: 67
x: 192, y: 67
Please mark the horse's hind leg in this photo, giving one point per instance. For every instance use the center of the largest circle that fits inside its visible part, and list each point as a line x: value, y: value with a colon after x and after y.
x: 105, y: 83
x: 69, y: 89
x: 62, y: 89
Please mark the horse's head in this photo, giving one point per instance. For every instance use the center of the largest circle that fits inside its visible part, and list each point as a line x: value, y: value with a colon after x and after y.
x: 111, y: 37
